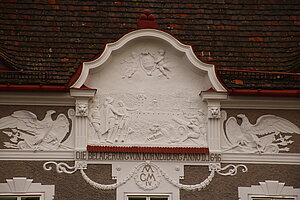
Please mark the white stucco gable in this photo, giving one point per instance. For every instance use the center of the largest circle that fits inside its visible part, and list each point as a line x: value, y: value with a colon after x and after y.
x: 148, y: 37
x: 148, y: 86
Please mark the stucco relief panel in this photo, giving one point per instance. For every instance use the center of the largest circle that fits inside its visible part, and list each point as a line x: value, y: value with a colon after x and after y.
x: 269, y: 134
x: 24, y: 131
x: 146, y: 119
x: 148, y: 93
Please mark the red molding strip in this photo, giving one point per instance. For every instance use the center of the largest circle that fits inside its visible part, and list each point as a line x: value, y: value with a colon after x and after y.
x: 274, y: 93
x: 33, y: 88
x: 253, y: 71
x: 135, y: 149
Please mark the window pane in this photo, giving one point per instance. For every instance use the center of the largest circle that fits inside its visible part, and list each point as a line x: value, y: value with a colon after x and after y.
x: 159, y: 198
x: 262, y: 198
x: 273, y: 198
x: 136, y: 198
x: 30, y: 198
x: 8, y: 198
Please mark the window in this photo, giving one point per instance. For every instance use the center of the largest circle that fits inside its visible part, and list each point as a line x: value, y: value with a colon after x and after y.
x: 20, y: 197
x: 269, y: 190
x: 21, y: 188
x: 148, y: 197
x: 273, y: 198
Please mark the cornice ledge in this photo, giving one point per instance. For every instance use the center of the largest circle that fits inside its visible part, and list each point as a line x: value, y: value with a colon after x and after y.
x: 281, y: 158
x: 213, y: 95
x: 86, y: 93
x: 36, y: 98
x: 261, y: 103
x: 9, y: 154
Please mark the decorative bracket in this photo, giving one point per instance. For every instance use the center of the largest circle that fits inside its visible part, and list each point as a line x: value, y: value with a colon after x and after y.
x: 232, y: 169
x: 64, y: 167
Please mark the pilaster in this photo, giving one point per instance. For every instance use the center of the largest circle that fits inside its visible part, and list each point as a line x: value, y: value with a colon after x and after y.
x: 214, y: 126
x: 82, y: 97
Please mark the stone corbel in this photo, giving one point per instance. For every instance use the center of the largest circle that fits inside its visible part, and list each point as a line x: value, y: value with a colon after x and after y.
x: 214, y: 126
x: 82, y: 97
x: 214, y: 111
x: 82, y: 100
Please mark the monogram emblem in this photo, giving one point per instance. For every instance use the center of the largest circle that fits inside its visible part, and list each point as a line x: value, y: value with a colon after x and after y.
x: 148, y: 176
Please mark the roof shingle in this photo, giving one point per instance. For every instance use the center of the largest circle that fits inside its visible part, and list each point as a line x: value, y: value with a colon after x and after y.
x: 54, y: 37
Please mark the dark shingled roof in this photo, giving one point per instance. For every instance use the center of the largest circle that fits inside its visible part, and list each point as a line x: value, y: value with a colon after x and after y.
x: 45, y: 41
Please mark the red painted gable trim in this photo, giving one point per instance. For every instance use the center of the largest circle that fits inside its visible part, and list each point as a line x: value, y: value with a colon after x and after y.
x: 275, y: 93
x: 33, y: 88
x: 136, y: 149
x: 266, y: 72
x: 75, y: 75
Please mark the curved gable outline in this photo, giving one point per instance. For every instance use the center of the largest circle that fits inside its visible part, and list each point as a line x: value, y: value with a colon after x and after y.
x: 187, y: 49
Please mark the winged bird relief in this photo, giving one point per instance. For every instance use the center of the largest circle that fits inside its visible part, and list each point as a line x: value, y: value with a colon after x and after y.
x: 270, y: 134
x: 27, y: 132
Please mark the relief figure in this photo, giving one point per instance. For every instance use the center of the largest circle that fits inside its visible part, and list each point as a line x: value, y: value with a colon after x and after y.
x: 156, y: 133
x: 123, y: 119
x: 132, y: 63
x: 95, y: 120
x: 270, y: 134
x: 27, y: 132
x: 197, y: 122
x: 195, y: 126
x: 111, y: 119
x: 159, y: 60
x: 146, y: 60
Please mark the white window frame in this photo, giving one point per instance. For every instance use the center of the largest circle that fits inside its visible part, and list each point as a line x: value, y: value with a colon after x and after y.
x: 147, y: 195
x: 20, y: 195
x: 270, y: 189
x: 274, y: 197
x: 21, y: 186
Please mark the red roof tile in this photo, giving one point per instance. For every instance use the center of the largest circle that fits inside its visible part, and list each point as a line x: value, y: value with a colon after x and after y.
x: 54, y: 37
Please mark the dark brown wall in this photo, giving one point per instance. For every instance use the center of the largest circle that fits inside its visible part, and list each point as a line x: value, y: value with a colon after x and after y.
x: 66, y: 186
x: 72, y: 186
x: 226, y: 187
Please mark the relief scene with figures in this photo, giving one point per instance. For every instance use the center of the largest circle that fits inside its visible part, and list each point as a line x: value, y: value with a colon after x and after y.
x: 139, y: 100
x: 147, y: 119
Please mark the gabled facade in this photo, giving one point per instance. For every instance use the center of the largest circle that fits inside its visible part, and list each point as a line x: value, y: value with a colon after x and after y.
x: 148, y: 120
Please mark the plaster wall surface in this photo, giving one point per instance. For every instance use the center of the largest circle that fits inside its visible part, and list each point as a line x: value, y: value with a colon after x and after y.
x: 74, y: 187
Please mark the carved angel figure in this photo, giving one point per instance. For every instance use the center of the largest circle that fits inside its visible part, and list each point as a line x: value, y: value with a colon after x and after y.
x: 132, y: 63
x: 27, y: 132
x: 267, y: 135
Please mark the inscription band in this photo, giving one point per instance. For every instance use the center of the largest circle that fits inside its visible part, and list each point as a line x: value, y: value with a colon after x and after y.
x: 133, y: 156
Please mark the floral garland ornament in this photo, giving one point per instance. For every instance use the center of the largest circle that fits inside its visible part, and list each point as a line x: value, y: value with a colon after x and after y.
x: 228, y: 170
